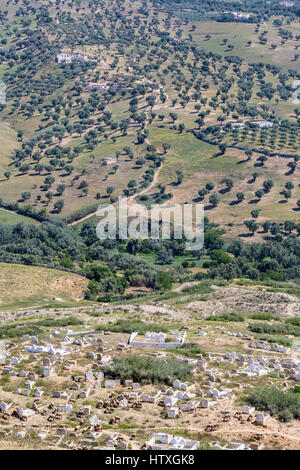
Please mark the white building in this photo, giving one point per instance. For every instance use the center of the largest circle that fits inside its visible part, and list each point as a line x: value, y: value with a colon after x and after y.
x: 69, y: 58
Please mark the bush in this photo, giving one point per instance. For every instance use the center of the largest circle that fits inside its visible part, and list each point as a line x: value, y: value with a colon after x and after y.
x: 199, y: 276
x: 147, y: 369
x: 47, y: 322
x: 226, y: 317
x: 13, y: 331
x: 275, y: 339
x: 128, y: 326
x: 34, y: 328
x: 220, y: 256
x: 285, y: 415
x: 295, y: 321
x: 190, y: 350
x: 262, y: 316
x: 284, y: 329
x: 284, y: 404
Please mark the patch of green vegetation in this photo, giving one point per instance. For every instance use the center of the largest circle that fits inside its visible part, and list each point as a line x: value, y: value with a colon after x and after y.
x: 283, y: 404
x: 295, y: 321
x: 190, y: 350
x: 15, y: 331
x: 96, y: 314
x: 146, y: 369
x: 275, y: 339
x: 284, y: 329
x: 262, y: 316
x: 56, y: 305
x: 126, y: 426
x: 11, y: 218
x: 226, y: 317
x: 61, y: 322
x: 201, y: 288
x: 5, y: 380
x: 128, y: 326
x: 34, y: 328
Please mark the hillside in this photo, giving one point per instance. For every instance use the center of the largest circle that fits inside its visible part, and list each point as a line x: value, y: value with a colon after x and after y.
x: 31, y: 286
x: 153, y: 85
x: 126, y: 341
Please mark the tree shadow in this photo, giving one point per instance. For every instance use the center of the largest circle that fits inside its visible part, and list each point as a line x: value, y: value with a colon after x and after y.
x: 245, y: 235
x: 198, y: 199
x: 224, y: 190
x: 254, y: 201
x: 209, y: 207
x: 216, y: 155
x: 268, y: 238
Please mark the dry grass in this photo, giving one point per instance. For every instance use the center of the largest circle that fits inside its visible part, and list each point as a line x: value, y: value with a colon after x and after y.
x: 36, y: 286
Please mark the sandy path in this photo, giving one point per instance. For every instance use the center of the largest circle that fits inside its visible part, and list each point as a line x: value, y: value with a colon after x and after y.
x: 130, y: 199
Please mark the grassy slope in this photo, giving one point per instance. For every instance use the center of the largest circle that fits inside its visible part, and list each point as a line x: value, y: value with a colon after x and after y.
x: 11, y: 218
x: 35, y: 286
x: 238, y: 34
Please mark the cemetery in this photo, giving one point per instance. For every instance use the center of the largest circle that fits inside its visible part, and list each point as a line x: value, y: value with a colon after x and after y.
x: 114, y: 387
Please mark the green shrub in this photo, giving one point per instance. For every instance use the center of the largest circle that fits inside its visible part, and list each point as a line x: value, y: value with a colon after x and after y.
x: 34, y: 328
x: 262, y: 316
x: 226, y: 317
x: 47, y: 322
x: 220, y: 256
x: 284, y: 329
x: 285, y: 415
x: 12, y: 331
x: 275, y: 339
x: 147, y: 369
x: 190, y: 350
x: 295, y: 321
x: 284, y: 404
x: 128, y: 326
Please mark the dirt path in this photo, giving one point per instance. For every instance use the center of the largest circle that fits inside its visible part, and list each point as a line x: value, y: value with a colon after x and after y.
x: 86, y: 217
x: 6, y: 210
x: 153, y: 183
x: 185, y: 285
x: 130, y: 199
